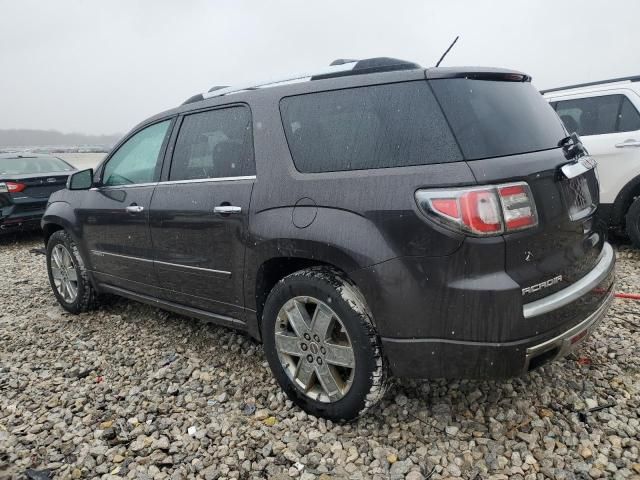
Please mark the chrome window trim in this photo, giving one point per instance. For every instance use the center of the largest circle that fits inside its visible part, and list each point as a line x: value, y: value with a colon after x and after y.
x: 176, y: 182
x: 203, y: 180
x: 100, y: 253
x: 127, y: 185
x: 574, y: 291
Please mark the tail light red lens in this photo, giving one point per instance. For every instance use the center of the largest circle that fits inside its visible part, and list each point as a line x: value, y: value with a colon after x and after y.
x: 481, y: 211
x: 14, y: 187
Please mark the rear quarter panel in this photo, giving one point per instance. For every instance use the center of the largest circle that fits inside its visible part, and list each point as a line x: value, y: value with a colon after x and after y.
x: 348, y: 219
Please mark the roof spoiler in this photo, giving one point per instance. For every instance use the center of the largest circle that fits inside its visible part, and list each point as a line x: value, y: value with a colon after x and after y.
x: 477, y: 73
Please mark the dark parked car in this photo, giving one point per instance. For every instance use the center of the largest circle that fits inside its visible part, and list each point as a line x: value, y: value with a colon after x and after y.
x: 374, y: 217
x: 26, y: 181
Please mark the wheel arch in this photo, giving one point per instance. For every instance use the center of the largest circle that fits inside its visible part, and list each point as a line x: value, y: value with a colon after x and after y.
x: 272, y: 268
x: 58, y: 216
x: 623, y: 201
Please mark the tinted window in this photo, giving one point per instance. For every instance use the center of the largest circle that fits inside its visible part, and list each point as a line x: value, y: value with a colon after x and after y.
x: 368, y: 127
x: 599, y: 115
x: 213, y: 144
x: 495, y: 118
x: 590, y: 116
x: 629, y: 118
x: 18, y: 165
x: 136, y: 160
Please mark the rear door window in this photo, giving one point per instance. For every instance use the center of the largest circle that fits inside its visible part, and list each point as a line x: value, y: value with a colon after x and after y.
x: 496, y: 118
x: 213, y: 144
x: 381, y: 126
x: 598, y: 115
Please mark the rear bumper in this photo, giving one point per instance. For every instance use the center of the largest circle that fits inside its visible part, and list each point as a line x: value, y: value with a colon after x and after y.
x: 449, y: 358
x: 15, y: 220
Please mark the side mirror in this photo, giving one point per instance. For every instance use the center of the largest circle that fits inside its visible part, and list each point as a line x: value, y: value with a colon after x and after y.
x: 82, y: 180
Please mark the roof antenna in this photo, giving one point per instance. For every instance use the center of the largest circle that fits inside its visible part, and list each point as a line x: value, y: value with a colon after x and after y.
x: 445, y: 53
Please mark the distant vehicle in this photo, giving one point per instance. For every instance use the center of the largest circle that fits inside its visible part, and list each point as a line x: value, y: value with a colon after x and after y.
x: 606, y: 115
x: 26, y: 181
x: 371, y: 217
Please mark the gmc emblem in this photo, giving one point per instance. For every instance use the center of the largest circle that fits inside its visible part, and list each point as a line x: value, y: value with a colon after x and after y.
x: 539, y: 286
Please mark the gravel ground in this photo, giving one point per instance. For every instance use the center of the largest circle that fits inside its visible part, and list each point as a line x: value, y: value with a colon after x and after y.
x: 130, y: 391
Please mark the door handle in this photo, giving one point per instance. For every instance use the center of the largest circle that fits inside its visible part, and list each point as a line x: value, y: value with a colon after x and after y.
x: 134, y: 209
x: 628, y: 143
x: 227, y: 209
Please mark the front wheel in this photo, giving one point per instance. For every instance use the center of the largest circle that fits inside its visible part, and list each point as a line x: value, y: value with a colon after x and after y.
x: 632, y: 221
x: 67, y: 274
x: 322, y: 346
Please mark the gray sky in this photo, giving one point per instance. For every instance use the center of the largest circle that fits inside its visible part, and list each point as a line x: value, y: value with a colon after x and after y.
x: 102, y: 66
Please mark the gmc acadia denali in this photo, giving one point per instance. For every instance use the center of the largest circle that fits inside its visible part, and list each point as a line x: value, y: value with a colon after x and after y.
x: 372, y: 218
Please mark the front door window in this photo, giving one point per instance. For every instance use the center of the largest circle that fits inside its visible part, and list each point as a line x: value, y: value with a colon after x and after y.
x: 136, y: 160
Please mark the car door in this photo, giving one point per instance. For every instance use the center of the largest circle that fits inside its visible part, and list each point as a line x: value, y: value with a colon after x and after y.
x: 115, y: 213
x: 608, y: 123
x: 199, y: 212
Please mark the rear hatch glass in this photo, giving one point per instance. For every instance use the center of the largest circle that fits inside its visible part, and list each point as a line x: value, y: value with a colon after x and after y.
x: 497, y: 118
x: 41, y: 176
x: 22, y: 165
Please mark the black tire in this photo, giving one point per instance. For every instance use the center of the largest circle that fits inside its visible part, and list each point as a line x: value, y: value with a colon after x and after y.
x: 368, y: 379
x: 632, y: 221
x: 85, y: 298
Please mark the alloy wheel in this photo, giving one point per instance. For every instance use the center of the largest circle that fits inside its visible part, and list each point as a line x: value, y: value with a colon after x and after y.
x: 63, y: 271
x: 314, y: 349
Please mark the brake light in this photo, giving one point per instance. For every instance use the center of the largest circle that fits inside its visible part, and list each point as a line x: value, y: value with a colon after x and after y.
x: 481, y: 211
x: 518, y: 206
x: 14, y: 187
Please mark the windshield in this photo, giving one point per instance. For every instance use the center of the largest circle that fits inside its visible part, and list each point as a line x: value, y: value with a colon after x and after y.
x: 29, y: 165
x: 495, y: 118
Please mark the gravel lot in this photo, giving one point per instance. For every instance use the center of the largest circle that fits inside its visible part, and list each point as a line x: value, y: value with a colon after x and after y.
x: 130, y: 391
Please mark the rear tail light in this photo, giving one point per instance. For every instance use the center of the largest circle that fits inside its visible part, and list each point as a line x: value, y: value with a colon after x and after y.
x: 518, y: 207
x: 15, y: 187
x: 481, y: 211
x: 11, y: 187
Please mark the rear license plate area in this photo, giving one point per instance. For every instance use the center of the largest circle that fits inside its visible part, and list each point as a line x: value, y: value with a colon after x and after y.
x: 578, y: 196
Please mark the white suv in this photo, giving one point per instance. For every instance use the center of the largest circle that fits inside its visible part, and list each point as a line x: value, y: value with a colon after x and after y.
x: 606, y: 116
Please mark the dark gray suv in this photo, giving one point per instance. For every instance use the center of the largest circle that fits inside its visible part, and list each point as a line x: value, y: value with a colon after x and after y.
x: 373, y: 218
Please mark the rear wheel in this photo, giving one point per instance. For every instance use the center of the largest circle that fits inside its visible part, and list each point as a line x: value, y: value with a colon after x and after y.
x: 67, y: 275
x: 321, y: 345
x: 632, y: 221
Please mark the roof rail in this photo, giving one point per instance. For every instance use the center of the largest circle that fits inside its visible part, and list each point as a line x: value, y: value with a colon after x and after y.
x: 195, y: 98
x: 338, y: 68
x: 218, y: 87
x: 633, y: 78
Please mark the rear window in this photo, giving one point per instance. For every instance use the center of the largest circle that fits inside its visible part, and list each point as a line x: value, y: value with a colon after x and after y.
x: 381, y: 126
x: 28, y: 165
x: 496, y: 118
